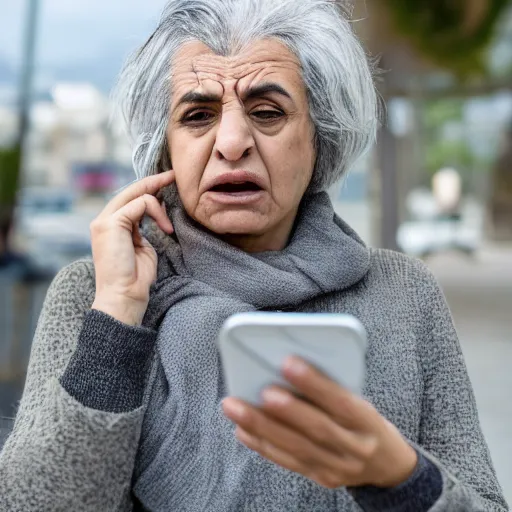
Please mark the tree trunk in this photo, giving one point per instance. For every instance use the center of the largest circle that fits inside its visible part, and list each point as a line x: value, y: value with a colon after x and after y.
x: 501, y: 194
x: 10, y: 161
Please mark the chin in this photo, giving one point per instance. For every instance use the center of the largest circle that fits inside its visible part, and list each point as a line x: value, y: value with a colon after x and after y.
x: 237, y: 223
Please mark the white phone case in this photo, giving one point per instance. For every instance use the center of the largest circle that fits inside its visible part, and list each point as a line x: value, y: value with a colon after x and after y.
x: 254, y: 346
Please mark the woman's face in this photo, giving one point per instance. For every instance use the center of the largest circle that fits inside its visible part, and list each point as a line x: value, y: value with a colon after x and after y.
x: 241, y: 141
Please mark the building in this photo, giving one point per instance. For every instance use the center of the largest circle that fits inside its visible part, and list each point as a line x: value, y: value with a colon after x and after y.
x: 70, y: 130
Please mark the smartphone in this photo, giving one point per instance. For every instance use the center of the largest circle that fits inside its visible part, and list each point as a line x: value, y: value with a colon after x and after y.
x: 254, y: 346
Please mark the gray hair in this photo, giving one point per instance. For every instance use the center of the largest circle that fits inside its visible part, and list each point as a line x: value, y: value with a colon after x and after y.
x: 336, y: 71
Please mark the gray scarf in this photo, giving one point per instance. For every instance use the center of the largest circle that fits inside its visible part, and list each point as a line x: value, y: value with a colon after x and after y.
x: 186, y: 440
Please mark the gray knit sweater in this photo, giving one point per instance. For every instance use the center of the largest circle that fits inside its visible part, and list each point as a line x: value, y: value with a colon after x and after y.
x: 64, y: 455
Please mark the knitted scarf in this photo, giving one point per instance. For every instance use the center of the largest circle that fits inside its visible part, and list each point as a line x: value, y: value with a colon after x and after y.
x: 188, y: 456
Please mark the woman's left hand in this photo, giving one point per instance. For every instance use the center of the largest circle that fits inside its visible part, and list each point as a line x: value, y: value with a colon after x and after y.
x: 334, y: 438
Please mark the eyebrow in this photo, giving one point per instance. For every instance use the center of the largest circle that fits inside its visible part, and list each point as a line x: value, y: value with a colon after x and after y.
x: 254, y: 92
x: 265, y: 88
x: 197, y: 97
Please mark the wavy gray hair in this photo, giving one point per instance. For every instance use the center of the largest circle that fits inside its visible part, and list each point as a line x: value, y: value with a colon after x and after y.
x: 337, y: 74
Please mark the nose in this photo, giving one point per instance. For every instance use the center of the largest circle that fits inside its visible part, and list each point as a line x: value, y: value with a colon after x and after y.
x: 234, y: 139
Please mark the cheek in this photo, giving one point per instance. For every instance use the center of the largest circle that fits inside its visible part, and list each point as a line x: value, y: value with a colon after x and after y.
x: 189, y: 156
x: 303, y: 151
x: 290, y: 162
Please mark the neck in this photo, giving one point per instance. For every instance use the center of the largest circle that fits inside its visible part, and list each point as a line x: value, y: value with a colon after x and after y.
x: 275, y: 239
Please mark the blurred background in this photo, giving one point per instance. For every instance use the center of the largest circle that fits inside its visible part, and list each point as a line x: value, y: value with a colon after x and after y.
x: 438, y: 184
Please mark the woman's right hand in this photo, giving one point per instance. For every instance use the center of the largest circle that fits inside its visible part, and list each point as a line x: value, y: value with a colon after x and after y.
x: 124, y: 261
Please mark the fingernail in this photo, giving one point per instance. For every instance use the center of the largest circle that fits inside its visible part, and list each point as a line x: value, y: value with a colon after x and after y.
x: 275, y: 396
x: 296, y: 366
x: 234, y: 408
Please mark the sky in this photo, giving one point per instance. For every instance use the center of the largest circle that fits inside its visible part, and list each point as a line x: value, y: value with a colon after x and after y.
x: 79, y: 39
x: 77, y: 31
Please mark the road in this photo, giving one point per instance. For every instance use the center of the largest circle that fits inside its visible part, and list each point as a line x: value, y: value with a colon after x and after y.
x: 479, y: 293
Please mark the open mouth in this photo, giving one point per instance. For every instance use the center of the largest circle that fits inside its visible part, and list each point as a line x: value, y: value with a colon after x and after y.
x: 233, y: 188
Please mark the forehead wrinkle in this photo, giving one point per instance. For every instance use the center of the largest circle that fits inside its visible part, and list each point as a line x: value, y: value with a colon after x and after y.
x: 221, y: 73
x: 194, y: 83
x: 238, y: 72
x: 264, y: 50
x: 245, y: 69
x: 240, y: 65
x: 203, y: 86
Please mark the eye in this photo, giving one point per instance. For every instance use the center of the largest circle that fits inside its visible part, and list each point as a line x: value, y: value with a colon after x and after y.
x: 197, y: 117
x: 267, y: 115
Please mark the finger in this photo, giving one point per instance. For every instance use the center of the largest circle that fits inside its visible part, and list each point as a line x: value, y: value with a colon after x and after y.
x: 323, y: 476
x: 139, y: 241
x: 285, y: 438
x: 270, y: 452
x: 342, y: 405
x: 166, y: 215
x: 314, y: 423
x: 149, y: 185
x: 131, y: 214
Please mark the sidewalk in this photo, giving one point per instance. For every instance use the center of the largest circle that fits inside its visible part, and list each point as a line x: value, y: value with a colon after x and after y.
x: 479, y: 293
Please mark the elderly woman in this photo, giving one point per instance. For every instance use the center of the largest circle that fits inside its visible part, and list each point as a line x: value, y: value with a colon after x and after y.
x: 243, y: 112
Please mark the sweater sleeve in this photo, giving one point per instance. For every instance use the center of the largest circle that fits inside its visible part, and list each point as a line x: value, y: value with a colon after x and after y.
x: 63, y: 455
x: 108, y: 369
x: 417, y: 494
x: 450, y: 433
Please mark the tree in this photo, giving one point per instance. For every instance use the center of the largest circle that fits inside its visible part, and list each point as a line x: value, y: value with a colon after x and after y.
x: 501, y: 193
x: 450, y: 35
x: 10, y: 160
x: 455, y: 36
x: 413, y: 39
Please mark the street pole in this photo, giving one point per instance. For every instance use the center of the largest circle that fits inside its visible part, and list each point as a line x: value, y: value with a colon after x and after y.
x: 389, y: 200
x: 27, y: 74
x: 387, y: 163
x: 14, y: 162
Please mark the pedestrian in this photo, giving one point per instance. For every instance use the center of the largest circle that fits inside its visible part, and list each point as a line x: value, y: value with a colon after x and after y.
x: 243, y: 114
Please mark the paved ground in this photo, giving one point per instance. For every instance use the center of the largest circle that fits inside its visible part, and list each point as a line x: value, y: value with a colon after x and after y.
x: 479, y: 293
